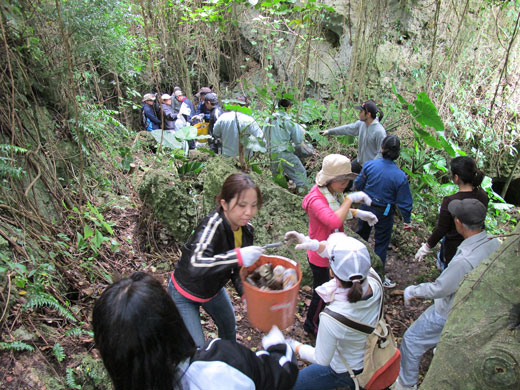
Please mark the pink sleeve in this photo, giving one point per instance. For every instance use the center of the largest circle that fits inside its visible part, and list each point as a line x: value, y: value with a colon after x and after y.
x: 319, y: 208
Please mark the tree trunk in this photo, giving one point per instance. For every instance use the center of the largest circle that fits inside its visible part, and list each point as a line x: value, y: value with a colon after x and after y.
x: 480, y: 343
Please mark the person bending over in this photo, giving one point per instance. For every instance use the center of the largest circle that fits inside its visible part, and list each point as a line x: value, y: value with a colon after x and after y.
x: 145, y: 345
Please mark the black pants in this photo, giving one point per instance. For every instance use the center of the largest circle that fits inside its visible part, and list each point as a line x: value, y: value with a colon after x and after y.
x: 320, y: 275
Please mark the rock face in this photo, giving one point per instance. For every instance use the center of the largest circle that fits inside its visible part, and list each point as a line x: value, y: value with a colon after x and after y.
x: 394, y: 30
x: 169, y: 197
x: 480, y: 343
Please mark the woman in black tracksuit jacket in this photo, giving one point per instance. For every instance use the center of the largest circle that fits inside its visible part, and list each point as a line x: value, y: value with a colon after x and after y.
x: 145, y: 345
x: 212, y: 256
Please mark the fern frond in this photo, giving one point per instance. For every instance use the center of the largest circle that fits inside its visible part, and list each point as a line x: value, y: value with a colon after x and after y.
x: 58, y: 352
x: 16, y: 346
x: 76, y: 332
x: 40, y: 299
x: 8, y: 170
x: 6, y: 148
x: 70, y: 380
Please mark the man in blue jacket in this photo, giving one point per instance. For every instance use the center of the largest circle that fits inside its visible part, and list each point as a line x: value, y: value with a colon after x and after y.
x: 152, y: 122
x: 388, y: 187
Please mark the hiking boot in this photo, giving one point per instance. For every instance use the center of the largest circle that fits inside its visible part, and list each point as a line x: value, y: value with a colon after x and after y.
x: 388, y: 283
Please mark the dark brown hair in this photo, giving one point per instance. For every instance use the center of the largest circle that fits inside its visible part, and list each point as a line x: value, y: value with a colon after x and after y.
x: 235, y: 185
x: 355, y: 292
x: 466, y: 168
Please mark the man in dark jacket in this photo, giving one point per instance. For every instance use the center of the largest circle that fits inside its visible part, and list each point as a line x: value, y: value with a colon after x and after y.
x: 153, y: 123
x: 211, y: 104
x: 167, y: 111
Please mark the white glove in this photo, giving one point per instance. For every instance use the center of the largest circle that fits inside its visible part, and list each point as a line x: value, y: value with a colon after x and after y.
x: 250, y: 254
x: 274, y: 337
x: 407, y: 295
x: 306, y: 352
x: 360, y: 197
x: 422, y: 252
x: 304, y: 242
x: 293, y: 343
x: 367, y: 216
x: 325, y: 132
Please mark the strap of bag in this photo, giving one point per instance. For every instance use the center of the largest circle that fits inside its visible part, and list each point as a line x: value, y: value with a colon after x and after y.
x: 349, y: 370
x: 348, y: 322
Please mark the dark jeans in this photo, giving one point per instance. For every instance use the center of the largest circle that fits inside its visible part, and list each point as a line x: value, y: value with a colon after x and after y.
x: 383, y: 230
x: 320, y: 275
x: 322, y: 377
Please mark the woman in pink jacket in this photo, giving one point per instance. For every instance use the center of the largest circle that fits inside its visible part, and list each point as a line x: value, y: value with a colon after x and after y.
x: 328, y: 208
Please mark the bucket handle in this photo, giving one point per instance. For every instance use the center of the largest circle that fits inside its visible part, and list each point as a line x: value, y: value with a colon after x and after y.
x: 288, y: 247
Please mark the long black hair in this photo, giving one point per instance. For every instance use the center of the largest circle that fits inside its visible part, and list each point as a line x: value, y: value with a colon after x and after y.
x: 140, y: 334
x: 391, y: 147
x: 466, y: 168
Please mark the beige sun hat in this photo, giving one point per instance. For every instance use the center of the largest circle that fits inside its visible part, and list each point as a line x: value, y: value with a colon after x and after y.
x: 148, y: 96
x: 335, y: 166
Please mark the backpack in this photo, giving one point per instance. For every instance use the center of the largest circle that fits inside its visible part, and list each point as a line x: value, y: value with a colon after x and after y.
x: 145, y: 122
x: 382, y: 360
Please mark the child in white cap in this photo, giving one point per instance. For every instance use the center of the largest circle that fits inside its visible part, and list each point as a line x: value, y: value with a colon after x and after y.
x: 354, y: 292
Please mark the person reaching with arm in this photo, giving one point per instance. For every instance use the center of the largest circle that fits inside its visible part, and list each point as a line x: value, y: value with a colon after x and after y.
x: 468, y: 178
x: 213, y: 255
x: 144, y: 345
x: 368, y: 129
x: 328, y: 208
x: 354, y: 292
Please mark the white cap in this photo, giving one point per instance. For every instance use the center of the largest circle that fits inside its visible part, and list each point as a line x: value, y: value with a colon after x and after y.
x: 165, y: 96
x: 348, y: 257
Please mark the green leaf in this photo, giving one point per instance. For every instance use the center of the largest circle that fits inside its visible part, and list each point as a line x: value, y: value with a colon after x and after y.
x: 186, y: 133
x: 425, y: 112
x: 87, y: 231
x: 98, y: 239
x: 427, y: 137
x: 446, y: 146
x: 256, y: 169
x: 238, y: 107
x: 16, y: 346
x: 254, y: 144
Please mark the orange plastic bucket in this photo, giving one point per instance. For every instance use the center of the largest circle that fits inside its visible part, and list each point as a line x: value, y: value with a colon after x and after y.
x: 202, y: 129
x: 268, y: 308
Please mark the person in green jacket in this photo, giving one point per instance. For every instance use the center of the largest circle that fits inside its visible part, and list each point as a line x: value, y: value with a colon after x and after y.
x: 281, y: 135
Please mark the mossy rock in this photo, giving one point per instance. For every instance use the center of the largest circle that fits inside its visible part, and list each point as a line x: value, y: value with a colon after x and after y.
x: 169, y: 197
x: 479, y: 346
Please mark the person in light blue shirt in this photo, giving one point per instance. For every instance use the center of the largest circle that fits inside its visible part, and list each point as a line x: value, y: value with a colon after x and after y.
x: 231, y: 126
x: 281, y: 135
x: 468, y: 215
x: 388, y: 187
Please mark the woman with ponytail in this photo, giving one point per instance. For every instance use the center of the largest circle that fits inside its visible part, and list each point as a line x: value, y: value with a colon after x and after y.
x: 468, y: 178
x: 354, y: 292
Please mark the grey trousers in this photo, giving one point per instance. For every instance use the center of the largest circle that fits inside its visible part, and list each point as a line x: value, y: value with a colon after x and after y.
x: 294, y: 170
x: 423, y: 335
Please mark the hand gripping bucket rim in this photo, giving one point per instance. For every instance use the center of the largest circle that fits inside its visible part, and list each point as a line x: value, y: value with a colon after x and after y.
x: 268, y: 308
